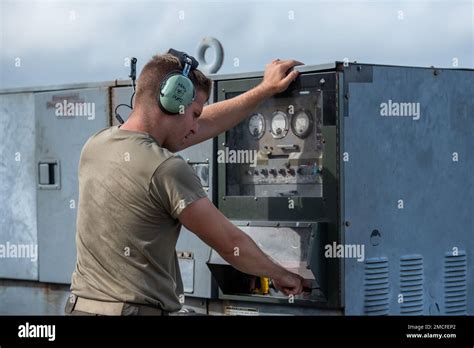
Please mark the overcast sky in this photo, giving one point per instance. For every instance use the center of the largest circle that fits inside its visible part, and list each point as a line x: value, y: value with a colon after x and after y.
x: 56, y: 42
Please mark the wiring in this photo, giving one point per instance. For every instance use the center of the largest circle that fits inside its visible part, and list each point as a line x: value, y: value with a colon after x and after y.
x: 133, y: 76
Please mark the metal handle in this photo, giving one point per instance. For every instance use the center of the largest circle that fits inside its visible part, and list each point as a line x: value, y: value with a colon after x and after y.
x: 49, y: 174
x: 288, y: 147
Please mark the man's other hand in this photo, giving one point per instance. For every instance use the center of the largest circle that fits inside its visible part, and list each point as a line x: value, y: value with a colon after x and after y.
x: 289, y: 284
x: 279, y: 74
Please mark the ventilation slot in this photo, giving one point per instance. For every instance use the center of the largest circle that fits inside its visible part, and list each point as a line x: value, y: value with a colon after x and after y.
x: 455, y: 284
x: 411, y: 284
x: 376, y: 286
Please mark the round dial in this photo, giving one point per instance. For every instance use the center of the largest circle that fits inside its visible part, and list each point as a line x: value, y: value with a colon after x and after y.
x: 256, y: 125
x: 279, y: 124
x: 302, y: 123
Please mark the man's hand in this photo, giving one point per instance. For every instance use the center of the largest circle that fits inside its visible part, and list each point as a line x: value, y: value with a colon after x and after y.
x: 289, y: 283
x: 276, y: 79
x: 213, y: 228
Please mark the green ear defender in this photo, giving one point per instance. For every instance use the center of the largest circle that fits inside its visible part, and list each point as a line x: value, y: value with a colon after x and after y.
x: 177, y: 90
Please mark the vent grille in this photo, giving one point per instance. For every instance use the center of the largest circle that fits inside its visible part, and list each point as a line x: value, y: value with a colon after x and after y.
x: 411, y: 284
x: 376, y: 286
x: 455, y: 283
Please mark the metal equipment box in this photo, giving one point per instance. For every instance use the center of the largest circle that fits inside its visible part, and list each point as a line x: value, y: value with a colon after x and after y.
x: 358, y: 177
x: 376, y: 162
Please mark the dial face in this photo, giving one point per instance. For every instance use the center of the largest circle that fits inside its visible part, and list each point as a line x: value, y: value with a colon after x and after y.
x: 256, y: 125
x: 279, y: 124
x: 302, y: 123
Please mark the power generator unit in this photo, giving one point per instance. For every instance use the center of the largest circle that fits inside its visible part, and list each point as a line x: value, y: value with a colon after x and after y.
x: 358, y: 177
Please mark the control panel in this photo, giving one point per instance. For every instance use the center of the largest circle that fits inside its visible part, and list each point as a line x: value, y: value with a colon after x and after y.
x: 276, y: 173
x: 278, y: 150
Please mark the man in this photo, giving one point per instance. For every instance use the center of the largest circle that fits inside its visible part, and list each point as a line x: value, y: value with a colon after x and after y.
x: 135, y: 193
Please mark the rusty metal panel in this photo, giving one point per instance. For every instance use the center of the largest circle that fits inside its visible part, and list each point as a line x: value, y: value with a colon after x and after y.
x: 18, y: 234
x: 32, y: 298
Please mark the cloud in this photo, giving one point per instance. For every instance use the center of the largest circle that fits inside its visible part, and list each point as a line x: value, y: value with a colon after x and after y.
x: 70, y: 41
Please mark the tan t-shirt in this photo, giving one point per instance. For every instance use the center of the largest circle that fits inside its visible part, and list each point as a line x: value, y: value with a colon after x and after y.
x: 131, y: 192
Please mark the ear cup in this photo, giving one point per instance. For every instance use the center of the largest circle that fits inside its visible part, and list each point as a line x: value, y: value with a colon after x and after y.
x: 176, y: 90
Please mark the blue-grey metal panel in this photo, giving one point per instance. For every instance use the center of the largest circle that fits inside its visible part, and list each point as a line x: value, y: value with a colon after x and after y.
x: 18, y: 187
x: 121, y: 95
x: 203, y: 284
x: 20, y: 297
x: 406, y: 198
x: 59, y: 87
x: 59, y: 139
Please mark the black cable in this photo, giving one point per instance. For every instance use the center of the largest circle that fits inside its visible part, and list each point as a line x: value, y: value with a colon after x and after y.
x: 133, y: 76
x: 117, y: 115
x: 131, y: 99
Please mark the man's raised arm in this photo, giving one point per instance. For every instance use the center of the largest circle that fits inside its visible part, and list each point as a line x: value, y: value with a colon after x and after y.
x: 219, y: 117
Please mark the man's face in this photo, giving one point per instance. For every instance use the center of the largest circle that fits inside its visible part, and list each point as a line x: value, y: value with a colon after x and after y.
x: 185, y: 126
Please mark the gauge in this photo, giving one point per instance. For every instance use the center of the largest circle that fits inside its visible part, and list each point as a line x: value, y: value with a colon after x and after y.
x: 302, y: 123
x: 279, y: 124
x: 256, y: 125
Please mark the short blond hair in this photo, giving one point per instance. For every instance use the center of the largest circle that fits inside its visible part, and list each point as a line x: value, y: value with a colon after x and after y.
x: 153, y: 73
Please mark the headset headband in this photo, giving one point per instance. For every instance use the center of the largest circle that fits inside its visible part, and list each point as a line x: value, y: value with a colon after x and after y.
x: 189, y: 63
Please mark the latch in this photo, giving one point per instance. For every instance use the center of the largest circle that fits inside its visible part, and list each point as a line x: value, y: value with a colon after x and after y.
x: 49, y: 175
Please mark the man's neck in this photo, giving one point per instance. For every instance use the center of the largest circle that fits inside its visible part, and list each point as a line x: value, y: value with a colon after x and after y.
x: 138, y: 123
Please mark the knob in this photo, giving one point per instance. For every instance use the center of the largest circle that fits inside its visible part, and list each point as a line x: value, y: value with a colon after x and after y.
x: 282, y: 172
x: 304, y: 170
x: 273, y: 171
x: 291, y: 171
x: 264, y: 172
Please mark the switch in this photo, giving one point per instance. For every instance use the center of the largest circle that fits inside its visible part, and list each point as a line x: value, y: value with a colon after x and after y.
x: 302, y: 170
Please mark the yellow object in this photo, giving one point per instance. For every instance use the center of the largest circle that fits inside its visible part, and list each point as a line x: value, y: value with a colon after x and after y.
x: 265, y: 285
x: 264, y: 288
